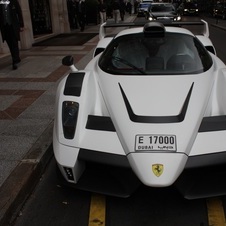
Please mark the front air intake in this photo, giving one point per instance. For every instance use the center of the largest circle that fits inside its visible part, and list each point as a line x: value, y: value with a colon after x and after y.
x: 69, y: 173
x: 154, y: 29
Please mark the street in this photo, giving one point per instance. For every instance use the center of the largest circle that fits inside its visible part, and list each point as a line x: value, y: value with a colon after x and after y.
x: 51, y: 204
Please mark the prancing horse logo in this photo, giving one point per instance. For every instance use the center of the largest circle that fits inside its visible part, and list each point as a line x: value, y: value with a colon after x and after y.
x: 157, y: 169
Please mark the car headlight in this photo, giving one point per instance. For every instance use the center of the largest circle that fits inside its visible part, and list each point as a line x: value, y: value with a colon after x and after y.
x: 69, y: 118
x: 150, y: 18
x: 177, y: 18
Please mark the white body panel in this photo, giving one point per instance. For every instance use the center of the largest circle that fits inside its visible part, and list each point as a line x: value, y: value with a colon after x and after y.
x: 162, y: 96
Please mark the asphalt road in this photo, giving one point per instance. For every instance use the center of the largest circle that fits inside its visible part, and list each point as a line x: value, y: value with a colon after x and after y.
x: 218, y: 38
x: 51, y: 204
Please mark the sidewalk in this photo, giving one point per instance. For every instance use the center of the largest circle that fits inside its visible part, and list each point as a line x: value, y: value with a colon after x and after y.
x: 219, y: 23
x: 27, y: 99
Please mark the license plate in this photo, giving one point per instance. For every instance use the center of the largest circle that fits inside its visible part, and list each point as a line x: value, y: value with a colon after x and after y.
x: 155, y: 142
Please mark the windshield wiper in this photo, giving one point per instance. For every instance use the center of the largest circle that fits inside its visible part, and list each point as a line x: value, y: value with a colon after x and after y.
x: 128, y: 64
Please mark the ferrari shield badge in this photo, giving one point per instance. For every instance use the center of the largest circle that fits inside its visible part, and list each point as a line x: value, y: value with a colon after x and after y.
x: 157, y: 169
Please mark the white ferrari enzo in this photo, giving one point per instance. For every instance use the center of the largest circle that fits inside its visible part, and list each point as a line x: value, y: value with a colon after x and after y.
x: 149, y: 108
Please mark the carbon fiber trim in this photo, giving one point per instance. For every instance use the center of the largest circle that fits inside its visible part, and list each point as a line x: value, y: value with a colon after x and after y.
x: 103, y: 158
x: 73, y: 84
x: 103, y: 123
x: 213, y: 123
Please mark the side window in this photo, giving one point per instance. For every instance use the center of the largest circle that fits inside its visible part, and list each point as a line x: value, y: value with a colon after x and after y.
x: 203, y: 55
x: 97, y: 51
x: 211, y: 49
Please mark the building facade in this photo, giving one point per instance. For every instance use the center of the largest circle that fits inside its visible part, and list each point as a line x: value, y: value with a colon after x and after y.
x: 42, y: 18
x: 46, y: 18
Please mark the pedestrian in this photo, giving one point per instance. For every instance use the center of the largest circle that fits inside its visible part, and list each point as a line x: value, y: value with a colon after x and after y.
x: 71, y: 7
x: 102, y: 8
x: 129, y: 7
x: 109, y: 9
x: 136, y: 4
x: 81, y: 13
x: 122, y: 9
x: 11, y: 24
x: 116, y: 10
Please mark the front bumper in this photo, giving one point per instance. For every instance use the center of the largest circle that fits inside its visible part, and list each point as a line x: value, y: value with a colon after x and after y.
x: 203, y: 175
x: 110, y: 174
x: 202, y: 182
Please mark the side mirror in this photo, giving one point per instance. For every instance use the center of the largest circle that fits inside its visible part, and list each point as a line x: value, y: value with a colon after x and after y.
x: 68, y: 61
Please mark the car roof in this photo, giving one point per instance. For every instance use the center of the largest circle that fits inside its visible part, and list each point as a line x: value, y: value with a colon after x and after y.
x: 161, y: 3
x: 145, y: 4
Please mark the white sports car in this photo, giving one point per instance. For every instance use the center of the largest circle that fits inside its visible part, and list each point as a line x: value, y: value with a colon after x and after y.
x: 149, y: 108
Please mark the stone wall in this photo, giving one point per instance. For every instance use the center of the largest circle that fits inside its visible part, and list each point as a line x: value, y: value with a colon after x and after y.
x: 59, y: 19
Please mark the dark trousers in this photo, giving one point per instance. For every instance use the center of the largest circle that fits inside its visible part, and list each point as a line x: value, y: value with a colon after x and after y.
x: 12, y: 43
x: 81, y: 21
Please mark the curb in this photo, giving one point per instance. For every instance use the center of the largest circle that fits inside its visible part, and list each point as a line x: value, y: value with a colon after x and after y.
x: 21, y: 182
x: 218, y: 26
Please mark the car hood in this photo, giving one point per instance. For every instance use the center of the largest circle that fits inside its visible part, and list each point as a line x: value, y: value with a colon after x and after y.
x: 156, y: 105
x: 153, y: 104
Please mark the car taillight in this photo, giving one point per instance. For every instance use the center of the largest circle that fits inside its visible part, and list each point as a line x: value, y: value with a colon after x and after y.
x: 69, y: 118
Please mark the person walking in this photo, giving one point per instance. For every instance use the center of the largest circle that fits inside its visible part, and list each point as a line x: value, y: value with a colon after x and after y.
x: 102, y: 11
x: 129, y: 7
x: 122, y: 7
x: 81, y: 13
x: 136, y: 3
x: 116, y: 10
x: 71, y: 7
x: 11, y: 24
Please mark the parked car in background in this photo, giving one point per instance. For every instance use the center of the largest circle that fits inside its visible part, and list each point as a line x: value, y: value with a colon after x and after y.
x: 188, y: 8
x: 219, y: 10
x: 163, y: 11
x: 143, y: 8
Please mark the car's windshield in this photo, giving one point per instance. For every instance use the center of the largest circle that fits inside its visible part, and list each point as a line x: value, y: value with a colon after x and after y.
x: 162, y: 8
x: 139, y: 54
x: 190, y: 5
